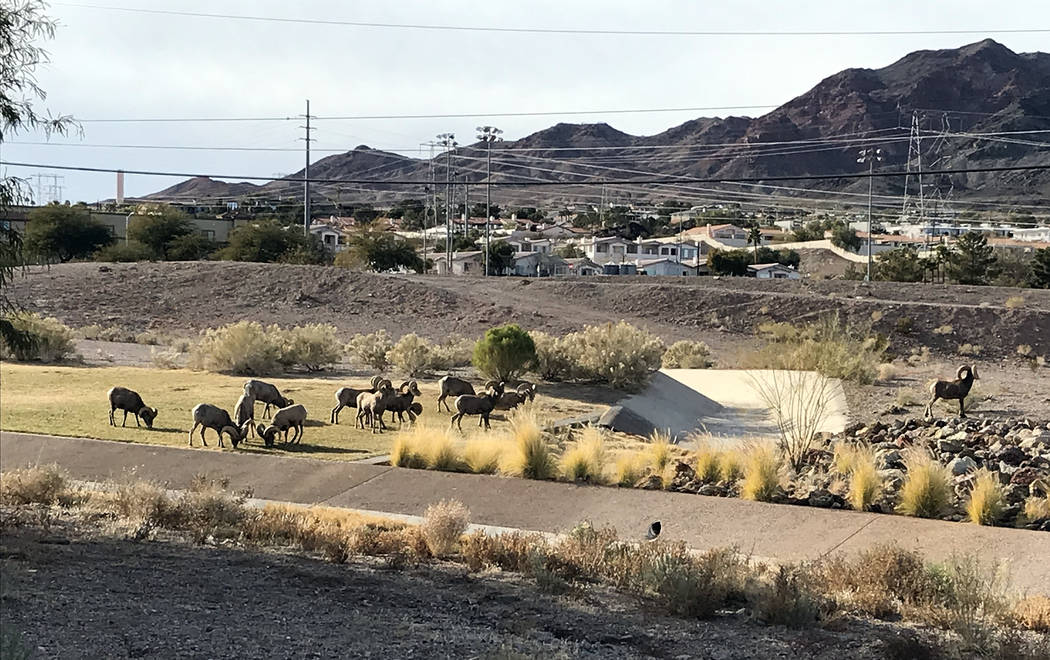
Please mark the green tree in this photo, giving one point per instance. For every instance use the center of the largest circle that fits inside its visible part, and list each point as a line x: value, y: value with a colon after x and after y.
x: 973, y: 260
x: 1039, y: 276
x: 268, y: 241
x: 380, y: 252
x: 165, y: 230
x: 754, y: 237
x: 845, y: 238
x: 728, y: 262
x: 899, y: 265
x: 504, y: 352
x: 64, y: 232
x: 568, y: 251
x: 501, y: 257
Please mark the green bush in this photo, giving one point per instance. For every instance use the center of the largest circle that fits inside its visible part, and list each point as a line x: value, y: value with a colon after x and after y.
x: 504, y: 353
x: 50, y: 339
x: 371, y: 349
x: 616, y: 354
x: 313, y: 346
x: 687, y: 355
x: 125, y: 252
x: 244, y: 348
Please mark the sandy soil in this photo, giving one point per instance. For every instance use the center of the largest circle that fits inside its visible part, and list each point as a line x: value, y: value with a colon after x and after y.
x: 73, y: 592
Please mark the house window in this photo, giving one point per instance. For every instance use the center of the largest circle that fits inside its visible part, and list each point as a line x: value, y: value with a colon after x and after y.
x: 208, y: 234
x: 601, y: 248
x: 329, y: 239
x: 650, y: 250
x: 617, y: 249
x: 632, y: 249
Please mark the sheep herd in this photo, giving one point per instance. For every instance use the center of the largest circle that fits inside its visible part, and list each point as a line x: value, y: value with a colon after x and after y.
x: 372, y: 402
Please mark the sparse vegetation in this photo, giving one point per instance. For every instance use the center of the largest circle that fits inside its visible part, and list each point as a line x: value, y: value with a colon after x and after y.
x: 49, y: 340
x: 443, y: 524
x: 686, y: 354
x: 887, y: 371
x: 370, y: 350
x: 482, y: 454
x: 616, y: 354
x: 1014, y: 302
x: 927, y: 487
x: 585, y: 459
x: 969, y: 349
x: 248, y: 348
x: 629, y: 468
x: 529, y: 456
x: 800, y: 402
x: 828, y: 346
x: 986, y: 503
x: 943, y: 330
x: 761, y: 469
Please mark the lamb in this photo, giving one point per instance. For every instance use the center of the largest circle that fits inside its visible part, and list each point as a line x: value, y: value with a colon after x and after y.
x: 212, y: 417
x: 401, y: 402
x: 245, y: 412
x: 292, y: 417
x: 121, y: 398
x: 953, y: 389
x: 266, y: 393
x: 451, y: 386
x: 470, y: 404
x: 346, y: 397
x: 511, y: 400
x: 372, y: 405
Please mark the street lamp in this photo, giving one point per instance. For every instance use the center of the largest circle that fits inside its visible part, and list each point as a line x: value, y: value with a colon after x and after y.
x: 870, y: 156
x: 488, y: 135
x: 127, y: 221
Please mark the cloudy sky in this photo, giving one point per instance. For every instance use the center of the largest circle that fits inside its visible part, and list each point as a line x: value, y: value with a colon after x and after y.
x: 109, y: 64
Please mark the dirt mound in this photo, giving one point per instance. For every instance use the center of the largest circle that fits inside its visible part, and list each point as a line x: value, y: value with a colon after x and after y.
x: 186, y: 297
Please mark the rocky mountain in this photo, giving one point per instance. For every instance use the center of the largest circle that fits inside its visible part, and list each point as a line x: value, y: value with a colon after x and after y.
x: 954, y: 94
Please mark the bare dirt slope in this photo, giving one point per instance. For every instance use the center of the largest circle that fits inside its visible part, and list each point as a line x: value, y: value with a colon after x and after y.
x: 185, y: 297
x: 76, y: 595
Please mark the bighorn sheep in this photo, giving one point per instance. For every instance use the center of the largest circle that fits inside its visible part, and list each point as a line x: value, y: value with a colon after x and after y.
x: 953, y: 389
x: 511, y: 400
x: 346, y: 397
x: 372, y: 405
x: 292, y: 417
x: 451, y: 386
x: 212, y: 417
x: 266, y: 393
x: 401, y: 402
x: 244, y: 411
x: 471, y: 404
x: 121, y: 398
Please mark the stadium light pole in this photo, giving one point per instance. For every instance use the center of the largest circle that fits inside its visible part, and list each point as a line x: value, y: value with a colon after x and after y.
x: 488, y: 135
x: 870, y: 156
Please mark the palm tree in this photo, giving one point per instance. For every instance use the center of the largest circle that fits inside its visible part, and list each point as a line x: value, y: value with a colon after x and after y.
x: 754, y: 236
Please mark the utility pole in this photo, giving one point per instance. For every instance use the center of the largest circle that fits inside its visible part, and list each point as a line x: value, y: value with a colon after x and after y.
x: 429, y: 194
x: 448, y: 140
x: 870, y: 156
x: 488, y: 135
x: 306, y: 174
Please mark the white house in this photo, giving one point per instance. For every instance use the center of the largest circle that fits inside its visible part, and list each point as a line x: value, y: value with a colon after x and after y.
x: 666, y: 267
x: 582, y: 266
x: 611, y: 249
x: 1038, y: 234
x: 333, y: 238
x: 470, y: 262
x: 539, y: 264
x: 773, y: 272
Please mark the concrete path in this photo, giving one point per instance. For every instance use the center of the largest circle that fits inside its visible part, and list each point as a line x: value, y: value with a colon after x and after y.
x: 765, y: 530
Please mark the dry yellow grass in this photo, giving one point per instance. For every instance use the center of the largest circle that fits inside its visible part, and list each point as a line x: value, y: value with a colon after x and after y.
x: 530, y: 455
x: 708, y: 463
x: 482, y: 453
x: 584, y: 460
x: 865, y: 484
x: 1033, y: 613
x: 629, y: 467
x: 927, y: 488
x: 987, y: 501
x: 443, y: 524
x: 762, y: 468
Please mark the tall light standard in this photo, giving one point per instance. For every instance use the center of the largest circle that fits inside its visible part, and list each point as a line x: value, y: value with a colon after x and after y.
x: 448, y: 140
x: 488, y: 135
x: 870, y: 156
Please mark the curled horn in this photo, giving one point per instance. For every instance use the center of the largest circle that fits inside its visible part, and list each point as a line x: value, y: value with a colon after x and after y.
x: 376, y: 380
x: 973, y: 371
x: 963, y: 369
x: 402, y: 386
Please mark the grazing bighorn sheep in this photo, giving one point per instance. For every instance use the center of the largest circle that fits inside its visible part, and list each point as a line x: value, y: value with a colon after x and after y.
x: 401, y: 402
x: 292, y: 417
x: 451, y: 386
x: 121, y: 398
x: 953, y: 389
x: 212, y: 417
x: 346, y: 397
x: 266, y: 393
x: 244, y: 411
x: 372, y: 405
x: 511, y: 400
x: 471, y: 404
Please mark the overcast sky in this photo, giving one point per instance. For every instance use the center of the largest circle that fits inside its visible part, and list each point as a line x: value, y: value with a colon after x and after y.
x: 110, y: 64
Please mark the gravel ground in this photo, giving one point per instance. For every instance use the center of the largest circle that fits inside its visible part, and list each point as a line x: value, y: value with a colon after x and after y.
x: 73, y: 592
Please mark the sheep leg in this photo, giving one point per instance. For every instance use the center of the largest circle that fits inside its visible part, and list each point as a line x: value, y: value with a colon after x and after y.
x: 441, y: 399
x: 112, y: 422
x: 195, y: 425
x: 335, y: 413
x: 299, y: 438
x: 962, y: 411
x: 137, y: 420
x: 125, y: 419
x: 203, y: 439
x: 929, y: 407
x: 485, y: 417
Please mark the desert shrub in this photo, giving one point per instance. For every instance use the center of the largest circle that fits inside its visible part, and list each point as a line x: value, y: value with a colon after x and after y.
x: 688, y: 585
x: 905, y: 398
x: 801, y: 402
x: 504, y: 352
x: 788, y: 598
x: 49, y: 339
x: 986, y: 503
x: 687, y: 355
x: 829, y: 346
x: 245, y: 348
x: 313, y: 346
x: 904, y: 325
x: 945, y: 329
x: 629, y: 468
x: 454, y: 352
x: 509, y: 551
x: 886, y: 371
x: 443, y: 524
x: 165, y: 359
x: 370, y: 350
x: 619, y: 355
x: 659, y: 453
x: 554, y: 356
x: 969, y: 349
x: 731, y: 465
x: 1033, y: 613
x: 148, y: 338
x: 761, y: 473
x: 45, y: 484
x: 1037, y: 507
x: 882, y: 581
x: 927, y: 487
x: 585, y: 459
x: 969, y: 598
x: 919, y: 356
x: 865, y: 483
x: 1014, y: 302
x: 529, y: 455
x: 121, y: 252
x: 481, y: 455
x: 108, y: 333
x: 413, y: 355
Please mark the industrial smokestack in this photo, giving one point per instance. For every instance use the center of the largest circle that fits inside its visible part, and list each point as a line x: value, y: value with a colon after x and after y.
x: 120, y: 188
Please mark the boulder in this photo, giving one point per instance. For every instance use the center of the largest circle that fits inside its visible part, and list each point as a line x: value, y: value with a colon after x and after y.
x: 949, y: 447
x: 1012, y: 455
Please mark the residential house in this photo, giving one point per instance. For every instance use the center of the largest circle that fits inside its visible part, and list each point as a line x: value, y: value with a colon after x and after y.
x: 666, y: 267
x: 539, y: 264
x: 582, y: 266
x: 1041, y: 234
x: 773, y: 272
x: 526, y: 244
x: 728, y: 234
x: 610, y: 249
x: 333, y: 238
x: 470, y: 262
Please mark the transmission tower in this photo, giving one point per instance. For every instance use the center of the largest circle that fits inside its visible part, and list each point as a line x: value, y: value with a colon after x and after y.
x: 914, y: 206
x: 48, y: 188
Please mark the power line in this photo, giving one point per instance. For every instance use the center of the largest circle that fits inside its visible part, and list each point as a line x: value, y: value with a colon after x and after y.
x: 576, y: 31
x: 593, y: 182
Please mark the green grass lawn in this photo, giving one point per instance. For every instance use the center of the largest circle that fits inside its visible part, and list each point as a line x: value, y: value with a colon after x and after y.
x: 71, y: 401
